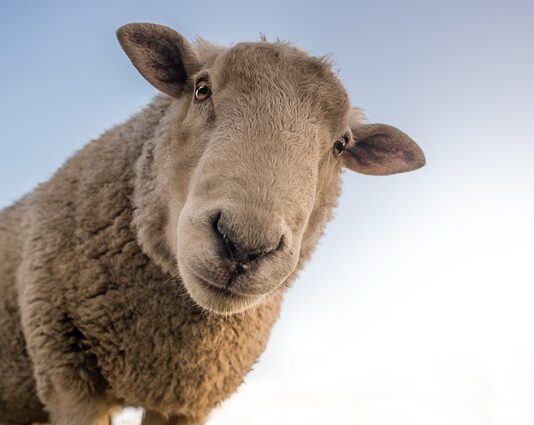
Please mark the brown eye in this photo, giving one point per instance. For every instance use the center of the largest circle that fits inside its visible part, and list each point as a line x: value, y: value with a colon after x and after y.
x: 340, y: 145
x: 202, y: 91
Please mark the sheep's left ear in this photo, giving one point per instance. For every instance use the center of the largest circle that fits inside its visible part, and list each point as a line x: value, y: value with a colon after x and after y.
x: 380, y: 149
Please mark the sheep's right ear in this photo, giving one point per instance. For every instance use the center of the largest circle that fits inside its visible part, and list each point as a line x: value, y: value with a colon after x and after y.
x: 160, y: 54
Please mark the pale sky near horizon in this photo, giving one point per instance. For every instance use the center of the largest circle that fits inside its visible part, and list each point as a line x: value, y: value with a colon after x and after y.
x: 417, y: 306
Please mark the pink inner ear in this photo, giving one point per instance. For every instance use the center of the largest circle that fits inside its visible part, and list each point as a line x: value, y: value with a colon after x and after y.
x: 381, y: 150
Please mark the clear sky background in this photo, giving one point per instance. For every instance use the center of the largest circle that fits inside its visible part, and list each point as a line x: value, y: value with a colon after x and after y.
x: 418, y: 305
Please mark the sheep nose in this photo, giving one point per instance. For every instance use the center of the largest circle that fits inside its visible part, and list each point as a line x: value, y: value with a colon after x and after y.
x: 239, y: 252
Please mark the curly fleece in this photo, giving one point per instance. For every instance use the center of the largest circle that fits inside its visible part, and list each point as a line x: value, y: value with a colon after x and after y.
x: 94, y: 316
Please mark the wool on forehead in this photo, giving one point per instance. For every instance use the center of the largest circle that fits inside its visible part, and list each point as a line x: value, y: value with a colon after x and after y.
x: 280, y: 68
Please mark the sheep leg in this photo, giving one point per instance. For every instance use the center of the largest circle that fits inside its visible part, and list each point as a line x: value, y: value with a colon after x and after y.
x: 86, y: 412
x: 71, y: 418
x: 153, y: 418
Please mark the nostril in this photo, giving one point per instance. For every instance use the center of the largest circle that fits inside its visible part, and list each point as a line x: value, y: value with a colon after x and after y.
x: 220, y: 231
x: 215, y: 223
x: 281, y: 244
x: 241, y: 254
x: 253, y: 256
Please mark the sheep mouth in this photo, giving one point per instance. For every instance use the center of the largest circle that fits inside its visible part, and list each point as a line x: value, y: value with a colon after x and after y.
x: 217, y: 299
x: 222, y: 291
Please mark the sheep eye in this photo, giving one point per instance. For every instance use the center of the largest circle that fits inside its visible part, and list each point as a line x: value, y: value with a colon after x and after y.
x: 202, y: 91
x: 339, y: 146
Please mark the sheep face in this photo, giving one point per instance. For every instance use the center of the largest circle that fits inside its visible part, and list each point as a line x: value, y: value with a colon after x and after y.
x: 267, y: 130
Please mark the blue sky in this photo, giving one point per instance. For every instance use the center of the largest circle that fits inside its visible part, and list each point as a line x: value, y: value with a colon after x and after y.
x: 440, y: 70
x: 418, y: 301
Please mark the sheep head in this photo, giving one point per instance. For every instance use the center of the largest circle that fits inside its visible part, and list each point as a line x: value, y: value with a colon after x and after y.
x: 260, y: 134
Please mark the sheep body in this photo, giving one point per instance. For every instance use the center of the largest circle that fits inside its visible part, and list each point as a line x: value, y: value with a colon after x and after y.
x: 96, y: 311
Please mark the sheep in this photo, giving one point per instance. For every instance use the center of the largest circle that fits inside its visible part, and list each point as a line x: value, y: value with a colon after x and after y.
x: 150, y: 268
